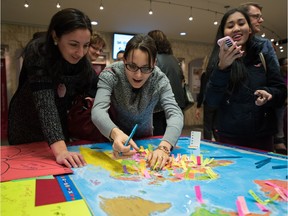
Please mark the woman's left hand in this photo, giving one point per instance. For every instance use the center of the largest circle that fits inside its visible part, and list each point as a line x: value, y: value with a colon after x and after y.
x: 160, y: 156
x: 262, y: 97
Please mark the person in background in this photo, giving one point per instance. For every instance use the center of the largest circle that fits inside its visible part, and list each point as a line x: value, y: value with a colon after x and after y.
x: 133, y: 87
x: 97, y: 45
x: 168, y: 64
x: 210, y: 113
x: 254, y: 10
x: 55, y: 70
x: 120, y: 55
x: 239, y: 86
x: 280, y: 139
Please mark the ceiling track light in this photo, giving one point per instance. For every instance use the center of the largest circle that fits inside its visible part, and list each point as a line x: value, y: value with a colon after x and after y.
x: 101, y: 6
x: 26, y: 4
x: 190, y: 17
x: 150, y: 10
x: 215, y: 20
x: 58, y: 5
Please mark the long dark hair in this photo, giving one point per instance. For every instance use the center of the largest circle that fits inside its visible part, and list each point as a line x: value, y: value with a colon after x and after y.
x: 238, y: 71
x: 63, y: 22
x: 145, y: 43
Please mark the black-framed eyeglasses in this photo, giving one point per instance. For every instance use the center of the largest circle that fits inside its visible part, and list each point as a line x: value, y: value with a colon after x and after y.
x: 134, y: 68
x: 256, y: 16
x: 97, y: 49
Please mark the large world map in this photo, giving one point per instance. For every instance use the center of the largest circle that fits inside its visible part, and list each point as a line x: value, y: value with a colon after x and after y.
x: 184, y: 187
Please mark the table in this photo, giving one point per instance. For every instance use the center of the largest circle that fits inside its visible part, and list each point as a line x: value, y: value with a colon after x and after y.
x: 227, y: 182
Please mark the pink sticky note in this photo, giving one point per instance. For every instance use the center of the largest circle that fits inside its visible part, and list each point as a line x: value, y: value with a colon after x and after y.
x: 198, y: 194
x: 239, y: 208
x: 243, y: 205
x: 146, y: 174
x: 262, y: 207
x: 198, y: 160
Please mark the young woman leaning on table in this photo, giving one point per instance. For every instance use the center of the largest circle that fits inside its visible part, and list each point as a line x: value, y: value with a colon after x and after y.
x: 55, y: 70
x: 133, y: 87
x: 244, y: 92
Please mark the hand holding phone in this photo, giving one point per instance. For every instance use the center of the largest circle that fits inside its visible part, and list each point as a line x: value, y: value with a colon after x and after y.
x: 228, y: 42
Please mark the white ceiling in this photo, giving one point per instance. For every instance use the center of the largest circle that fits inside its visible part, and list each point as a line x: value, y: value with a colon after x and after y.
x: 131, y: 16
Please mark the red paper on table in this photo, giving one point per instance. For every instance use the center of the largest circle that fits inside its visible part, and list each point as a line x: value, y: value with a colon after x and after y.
x: 29, y: 160
x: 48, y: 191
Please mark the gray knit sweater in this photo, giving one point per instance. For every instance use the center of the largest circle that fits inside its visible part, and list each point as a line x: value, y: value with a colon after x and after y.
x: 133, y: 106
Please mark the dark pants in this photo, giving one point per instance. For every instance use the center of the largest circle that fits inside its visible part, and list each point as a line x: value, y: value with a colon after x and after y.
x: 159, y: 123
x: 263, y: 143
x: 209, y: 119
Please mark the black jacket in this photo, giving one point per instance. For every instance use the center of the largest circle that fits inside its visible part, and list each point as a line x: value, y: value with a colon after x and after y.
x: 170, y: 66
x: 238, y: 114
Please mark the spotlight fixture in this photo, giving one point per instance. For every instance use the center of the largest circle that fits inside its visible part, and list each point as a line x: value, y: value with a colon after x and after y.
x: 215, y: 20
x: 58, y: 5
x: 150, y: 10
x: 94, y: 23
x: 190, y: 17
x: 101, y: 6
x: 26, y: 4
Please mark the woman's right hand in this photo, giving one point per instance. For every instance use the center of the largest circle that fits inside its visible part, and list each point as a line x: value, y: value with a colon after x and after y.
x: 227, y: 57
x: 119, y: 139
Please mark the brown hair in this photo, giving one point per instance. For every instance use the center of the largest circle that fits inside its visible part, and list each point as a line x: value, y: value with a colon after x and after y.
x: 97, y: 39
x: 246, y: 6
x: 162, y: 43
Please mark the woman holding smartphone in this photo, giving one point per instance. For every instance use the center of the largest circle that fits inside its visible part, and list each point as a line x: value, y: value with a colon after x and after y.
x: 244, y: 92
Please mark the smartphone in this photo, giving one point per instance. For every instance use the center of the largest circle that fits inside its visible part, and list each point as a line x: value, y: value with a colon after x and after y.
x: 228, y: 42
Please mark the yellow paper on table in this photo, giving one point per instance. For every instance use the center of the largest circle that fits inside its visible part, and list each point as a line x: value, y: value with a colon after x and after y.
x: 18, y: 198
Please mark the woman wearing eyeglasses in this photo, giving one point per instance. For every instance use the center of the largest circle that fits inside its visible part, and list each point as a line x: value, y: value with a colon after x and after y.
x: 97, y: 44
x: 133, y: 87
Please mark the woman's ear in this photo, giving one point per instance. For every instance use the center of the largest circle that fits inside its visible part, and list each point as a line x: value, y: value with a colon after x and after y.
x: 54, y: 36
x: 155, y: 63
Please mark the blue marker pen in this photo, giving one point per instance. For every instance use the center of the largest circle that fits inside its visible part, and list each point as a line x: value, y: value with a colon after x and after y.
x: 131, y: 135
